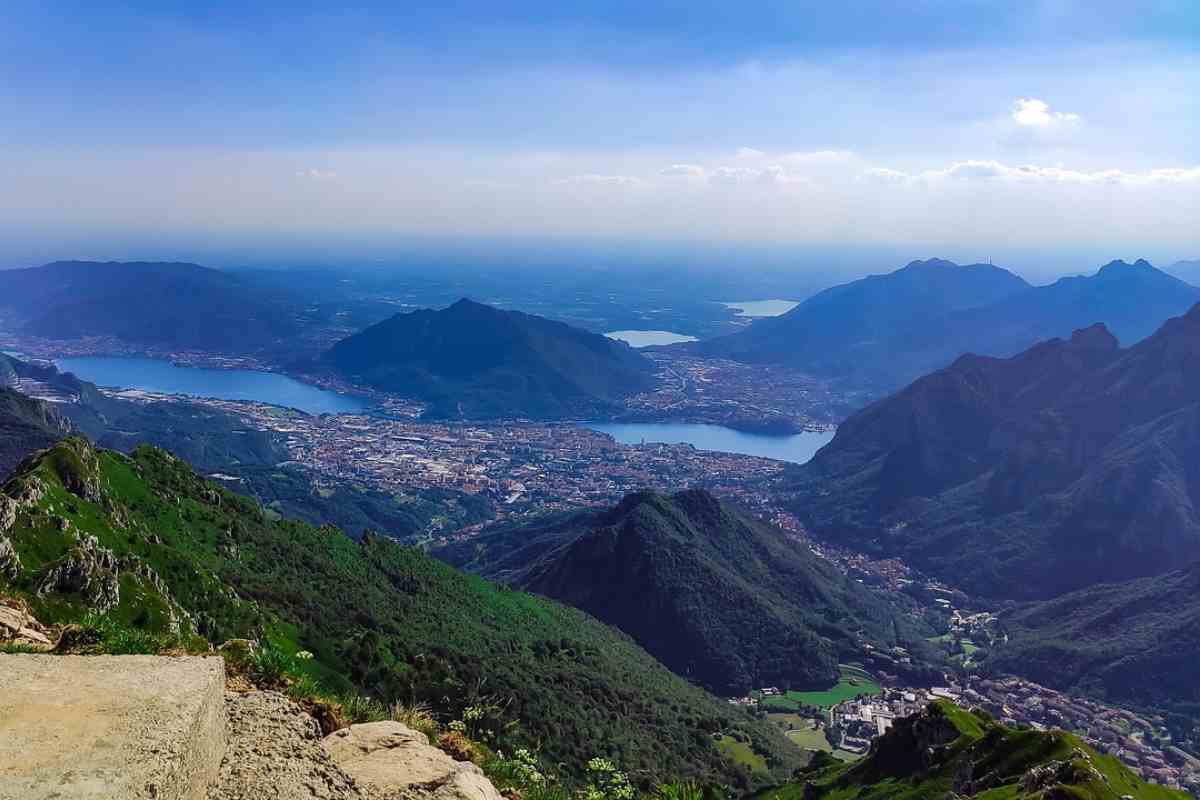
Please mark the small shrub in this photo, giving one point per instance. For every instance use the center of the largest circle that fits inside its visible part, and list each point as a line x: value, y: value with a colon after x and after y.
x: 302, y: 688
x: 458, y: 747
x: 270, y: 665
x: 358, y: 708
x: 683, y: 790
x: 418, y: 716
x: 606, y: 782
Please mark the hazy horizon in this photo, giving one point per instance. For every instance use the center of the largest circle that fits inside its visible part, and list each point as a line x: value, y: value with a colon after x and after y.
x: 1050, y: 138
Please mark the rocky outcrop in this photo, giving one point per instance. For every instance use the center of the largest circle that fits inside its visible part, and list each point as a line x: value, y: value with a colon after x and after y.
x: 274, y: 752
x: 10, y: 562
x: 1073, y: 771
x: 18, y: 627
x: 88, y: 570
x: 81, y: 475
x: 391, y: 761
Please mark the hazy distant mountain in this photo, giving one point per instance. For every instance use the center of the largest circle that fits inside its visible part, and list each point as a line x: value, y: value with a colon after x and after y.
x: 718, y: 596
x: 853, y: 329
x: 890, y: 329
x: 1188, y: 271
x: 477, y: 361
x: 1132, y: 300
x: 1073, y: 463
x: 164, y: 305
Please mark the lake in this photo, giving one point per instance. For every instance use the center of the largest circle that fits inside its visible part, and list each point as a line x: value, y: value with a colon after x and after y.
x: 762, y: 308
x: 647, y: 338
x: 161, y: 376
x: 797, y: 448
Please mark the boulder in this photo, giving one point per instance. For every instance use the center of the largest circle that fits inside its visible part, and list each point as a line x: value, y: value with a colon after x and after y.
x: 18, y: 627
x: 394, y: 762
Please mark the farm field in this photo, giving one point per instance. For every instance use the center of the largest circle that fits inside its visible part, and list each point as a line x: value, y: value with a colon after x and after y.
x: 853, y: 683
x: 810, y: 739
x: 741, y: 753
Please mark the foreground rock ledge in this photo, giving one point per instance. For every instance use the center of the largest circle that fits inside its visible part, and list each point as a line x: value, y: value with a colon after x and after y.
x: 390, y: 761
x: 86, y: 727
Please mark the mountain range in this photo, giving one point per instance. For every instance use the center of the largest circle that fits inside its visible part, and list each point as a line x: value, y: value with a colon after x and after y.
x: 728, y: 601
x: 1187, y: 270
x: 151, y: 304
x: 1074, y: 463
x: 473, y: 360
x: 156, y: 549
x: 886, y: 330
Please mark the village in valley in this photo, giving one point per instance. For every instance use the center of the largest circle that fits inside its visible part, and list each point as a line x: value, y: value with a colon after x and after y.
x: 843, y: 721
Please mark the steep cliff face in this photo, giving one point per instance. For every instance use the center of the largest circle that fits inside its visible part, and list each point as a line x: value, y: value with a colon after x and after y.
x: 26, y: 425
x: 1072, y: 464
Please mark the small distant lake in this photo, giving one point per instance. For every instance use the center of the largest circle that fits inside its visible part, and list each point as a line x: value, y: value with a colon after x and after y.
x: 648, y: 338
x: 798, y: 448
x: 159, y: 375
x: 762, y: 308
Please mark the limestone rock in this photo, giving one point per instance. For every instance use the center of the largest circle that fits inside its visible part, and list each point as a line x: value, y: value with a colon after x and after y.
x: 18, y: 627
x: 10, y: 562
x: 90, y: 571
x: 274, y: 753
x: 393, y: 762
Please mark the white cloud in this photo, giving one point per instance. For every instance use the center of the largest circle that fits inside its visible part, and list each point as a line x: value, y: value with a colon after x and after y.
x: 593, y: 179
x: 984, y: 170
x: 819, y: 157
x: 1029, y: 112
x: 686, y: 170
x: 749, y: 152
x: 313, y: 174
x: 732, y: 175
x: 885, y: 175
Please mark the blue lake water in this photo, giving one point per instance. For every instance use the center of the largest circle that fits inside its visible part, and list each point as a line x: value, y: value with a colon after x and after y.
x: 761, y: 308
x: 647, y: 338
x: 158, y: 375
x: 798, y: 448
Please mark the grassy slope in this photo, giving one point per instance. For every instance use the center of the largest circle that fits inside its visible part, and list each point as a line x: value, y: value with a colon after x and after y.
x: 391, y: 620
x: 946, y: 749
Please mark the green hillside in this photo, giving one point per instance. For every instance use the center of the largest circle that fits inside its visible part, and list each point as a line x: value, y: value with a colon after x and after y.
x: 146, y: 541
x: 715, y: 594
x: 946, y: 752
x: 473, y: 360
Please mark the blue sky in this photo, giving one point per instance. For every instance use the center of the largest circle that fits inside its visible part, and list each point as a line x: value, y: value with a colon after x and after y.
x: 961, y: 128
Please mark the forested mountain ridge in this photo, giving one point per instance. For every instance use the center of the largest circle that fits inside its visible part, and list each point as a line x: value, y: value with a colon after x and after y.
x: 153, y: 304
x: 1136, y: 642
x: 947, y: 752
x: 145, y: 540
x: 477, y: 361
x: 717, y: 595
x: 1071, y: 464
